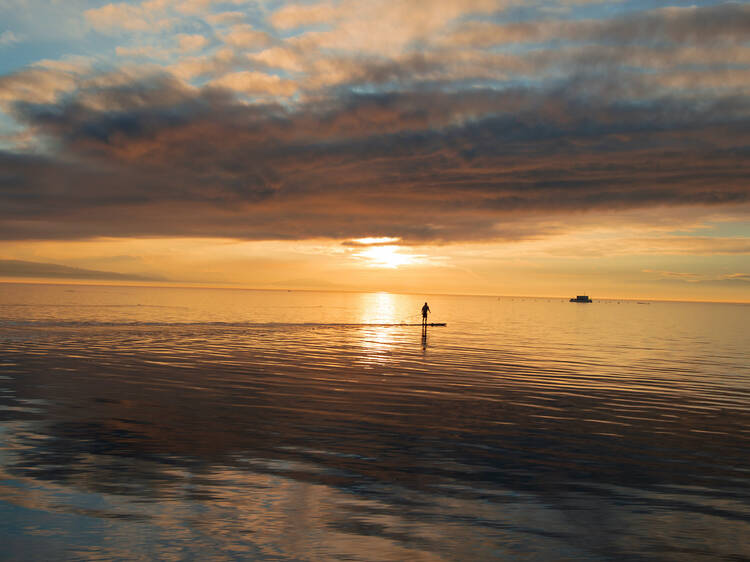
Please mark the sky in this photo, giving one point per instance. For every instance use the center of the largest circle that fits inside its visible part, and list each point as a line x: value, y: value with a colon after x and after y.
x: 502, y: 147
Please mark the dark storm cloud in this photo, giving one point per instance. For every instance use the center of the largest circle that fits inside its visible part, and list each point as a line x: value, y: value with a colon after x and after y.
x: 154, y: 157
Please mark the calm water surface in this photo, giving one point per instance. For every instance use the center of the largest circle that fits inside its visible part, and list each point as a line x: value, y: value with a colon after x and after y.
x: 141, y: 423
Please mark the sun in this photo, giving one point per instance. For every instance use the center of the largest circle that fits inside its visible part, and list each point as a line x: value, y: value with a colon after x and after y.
x: 383, y: 252
x: 385, y: 256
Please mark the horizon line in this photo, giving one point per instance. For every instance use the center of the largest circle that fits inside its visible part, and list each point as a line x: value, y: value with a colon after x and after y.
x: 183, y: 285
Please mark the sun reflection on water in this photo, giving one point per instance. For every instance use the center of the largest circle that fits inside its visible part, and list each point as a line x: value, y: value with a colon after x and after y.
x: 378, y: 339
x: 378, y: 308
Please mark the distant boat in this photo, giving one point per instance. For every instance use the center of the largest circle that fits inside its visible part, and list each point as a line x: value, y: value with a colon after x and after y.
x: 581, y: 298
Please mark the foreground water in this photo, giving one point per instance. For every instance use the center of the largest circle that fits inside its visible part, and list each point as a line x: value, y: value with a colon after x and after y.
x: 142, y: 423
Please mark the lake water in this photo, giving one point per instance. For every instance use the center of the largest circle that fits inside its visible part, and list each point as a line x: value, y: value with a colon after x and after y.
x: 161, y: 423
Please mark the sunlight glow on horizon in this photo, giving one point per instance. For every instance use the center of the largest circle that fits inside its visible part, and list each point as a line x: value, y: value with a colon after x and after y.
x: 390, y: 257
x: 546, y: 268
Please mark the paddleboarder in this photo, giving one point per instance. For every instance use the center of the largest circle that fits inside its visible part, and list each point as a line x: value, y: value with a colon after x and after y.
x: 425, y: 312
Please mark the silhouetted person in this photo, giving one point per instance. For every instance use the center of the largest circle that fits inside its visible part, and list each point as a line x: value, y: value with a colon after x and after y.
x: 425, y: 312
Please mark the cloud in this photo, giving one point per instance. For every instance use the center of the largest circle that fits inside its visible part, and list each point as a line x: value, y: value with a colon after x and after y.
x: 147, y: 16
x: 745, y: 277
x: 149, y: 155
x: 298, y: 15
x: 247, y: 37
x: 122, y: 15
x: 7, y: 37
x: 352, y: 44
x: 225, y: 18
x: 377, y: 26
x: 634, y: 233
x: 694, y: 245
x: 698, y: 278
x: 682, y: 52
x: 202, y: 7
x: 157, y: 15
x: 705, y: 25
x: 42, y: 83
x: 682, y: 276
x: 188, y: 43
x: 215, y: 64
x: 142, y: 51
x: 284, y: 58
x: 18, y: 268
x: 253, y: 83
x: 428, y: 121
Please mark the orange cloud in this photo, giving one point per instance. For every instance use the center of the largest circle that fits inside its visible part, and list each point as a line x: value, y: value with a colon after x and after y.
x: 130, y: 17
x: 256, y: 83
x: 247, y: 37
x: 188, y: 43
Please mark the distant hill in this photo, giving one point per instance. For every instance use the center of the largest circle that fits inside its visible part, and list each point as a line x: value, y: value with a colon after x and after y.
x: 19, y: 268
